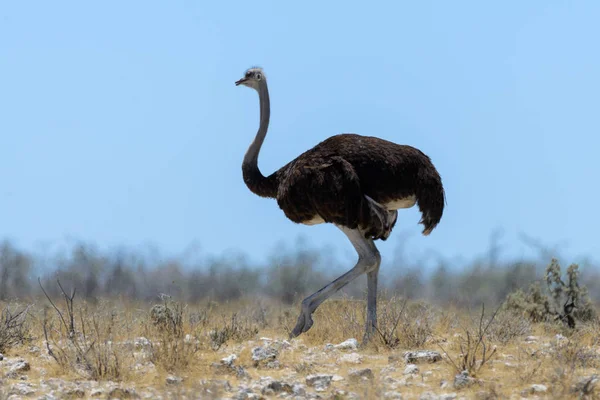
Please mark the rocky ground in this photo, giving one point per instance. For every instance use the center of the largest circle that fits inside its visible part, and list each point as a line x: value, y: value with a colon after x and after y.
x: 241, y: 351
x: 278, y: 368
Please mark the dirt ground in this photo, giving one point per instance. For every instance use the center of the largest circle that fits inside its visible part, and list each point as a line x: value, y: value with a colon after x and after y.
x: 241, y: 350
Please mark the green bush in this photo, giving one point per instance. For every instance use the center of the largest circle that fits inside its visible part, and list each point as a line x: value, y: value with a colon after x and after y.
x: 562, y: 301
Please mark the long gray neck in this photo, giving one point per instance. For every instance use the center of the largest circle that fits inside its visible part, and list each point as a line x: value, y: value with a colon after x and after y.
x: 254, y: 179
x: 251, y: 157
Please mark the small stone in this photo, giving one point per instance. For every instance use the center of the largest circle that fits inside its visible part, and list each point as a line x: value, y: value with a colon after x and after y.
x: 350, y: 344
x: 352, y: 358
x: 241, y: 373
x: 587, y: 384
x: 411, y: 369
x: 274, y: 364
x: 188, y: 338
x: 319, y: 381
x: 448, y: 396
x: 228, y: 361
x: 414, y: 357
x: 74, y: 393
x: 264, y: 353
x: 174, y: 380
x: 539, y: 389
x: 298, y: 389
x: 337, y: 378
x: 16, y: 367
x: 392, y: 395
x: 463, y: 380
x: 22, y: 389
x: 122, y: 393
x: 531, y: 339
x: 141, y: 343
x: 274, y: 387
x: 359, y: 374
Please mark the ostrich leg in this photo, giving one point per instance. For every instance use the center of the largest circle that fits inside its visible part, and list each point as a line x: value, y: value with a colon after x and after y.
x: 371, y: 323
x: 368, y: 261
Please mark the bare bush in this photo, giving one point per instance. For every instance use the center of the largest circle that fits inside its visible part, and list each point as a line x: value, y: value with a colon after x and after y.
x: 474, y: 347
x: 405, y: 324
x: 233, y: 329
x: 81, y: 342
x: 508, y: 326
x: 14, y: 329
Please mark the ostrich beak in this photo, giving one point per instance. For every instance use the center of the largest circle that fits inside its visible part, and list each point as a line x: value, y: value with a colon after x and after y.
x: 237, y: 83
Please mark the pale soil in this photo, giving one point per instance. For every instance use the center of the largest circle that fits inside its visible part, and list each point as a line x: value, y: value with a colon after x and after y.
x: 137, y: 360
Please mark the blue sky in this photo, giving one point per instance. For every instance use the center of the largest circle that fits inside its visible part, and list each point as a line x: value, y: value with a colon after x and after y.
x: 121, y: 125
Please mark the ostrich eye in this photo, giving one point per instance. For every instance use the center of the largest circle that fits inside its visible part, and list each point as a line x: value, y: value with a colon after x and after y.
x: 258, y: 76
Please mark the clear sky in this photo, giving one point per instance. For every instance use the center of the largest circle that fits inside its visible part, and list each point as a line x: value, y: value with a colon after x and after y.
x: 120, y: 123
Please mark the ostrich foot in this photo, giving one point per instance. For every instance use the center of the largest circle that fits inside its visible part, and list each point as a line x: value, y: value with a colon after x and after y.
x: 371, y: 329
x: 305, y: 322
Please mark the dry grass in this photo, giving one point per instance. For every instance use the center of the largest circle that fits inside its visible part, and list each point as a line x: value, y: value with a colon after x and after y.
x: 112, y: 341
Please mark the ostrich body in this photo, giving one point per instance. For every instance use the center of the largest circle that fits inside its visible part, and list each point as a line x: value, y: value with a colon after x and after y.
x: 356, y: 183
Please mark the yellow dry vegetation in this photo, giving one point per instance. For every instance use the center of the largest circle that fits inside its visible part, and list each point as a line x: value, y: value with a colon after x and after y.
x: 120, y: 341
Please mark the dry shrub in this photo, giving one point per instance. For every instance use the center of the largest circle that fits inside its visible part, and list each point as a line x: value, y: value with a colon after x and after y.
x: 170, y: 348
x: 405, y: 324
x: 473, y: 345
x: 574, y: 352
x: 81, y: 341
x: 235, y: 328
x: 14, y: 329
x: 508, y: 326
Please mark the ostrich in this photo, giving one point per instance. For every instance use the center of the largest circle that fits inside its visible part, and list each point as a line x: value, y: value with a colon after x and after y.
x: 356, y: 183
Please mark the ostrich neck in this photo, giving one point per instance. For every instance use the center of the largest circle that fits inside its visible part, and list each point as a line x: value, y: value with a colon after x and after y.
x: 254, y: 179
x: 251, y: 157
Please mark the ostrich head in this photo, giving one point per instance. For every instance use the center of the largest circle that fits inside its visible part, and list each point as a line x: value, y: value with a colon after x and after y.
x: 252, y: 78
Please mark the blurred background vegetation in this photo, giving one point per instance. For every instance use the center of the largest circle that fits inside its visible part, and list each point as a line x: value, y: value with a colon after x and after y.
x: 291, y: 273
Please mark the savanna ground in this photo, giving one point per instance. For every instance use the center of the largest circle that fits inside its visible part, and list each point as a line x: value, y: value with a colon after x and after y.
x: 74, y: 348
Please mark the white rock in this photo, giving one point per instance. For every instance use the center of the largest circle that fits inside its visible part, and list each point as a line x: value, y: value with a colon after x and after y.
x: 23, y: 389
x: 539, y: 388
x: 531, y: 339
x: 319, y: 381
x: 352, y: 358
x: 392, y: 396
x: 365, y: 373
x: 448, y: 396
x: 411, y: 369
x: 141, y: 342
x: 174, y: 380
x: 229, y: 360
x: 19, y: 366
x: 350, y: 344
x: 264, y: 353
x: 299, y: 389
x: 422, y: 356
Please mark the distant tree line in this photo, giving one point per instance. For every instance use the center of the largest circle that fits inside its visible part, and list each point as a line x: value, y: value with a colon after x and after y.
x: 287, y: 277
